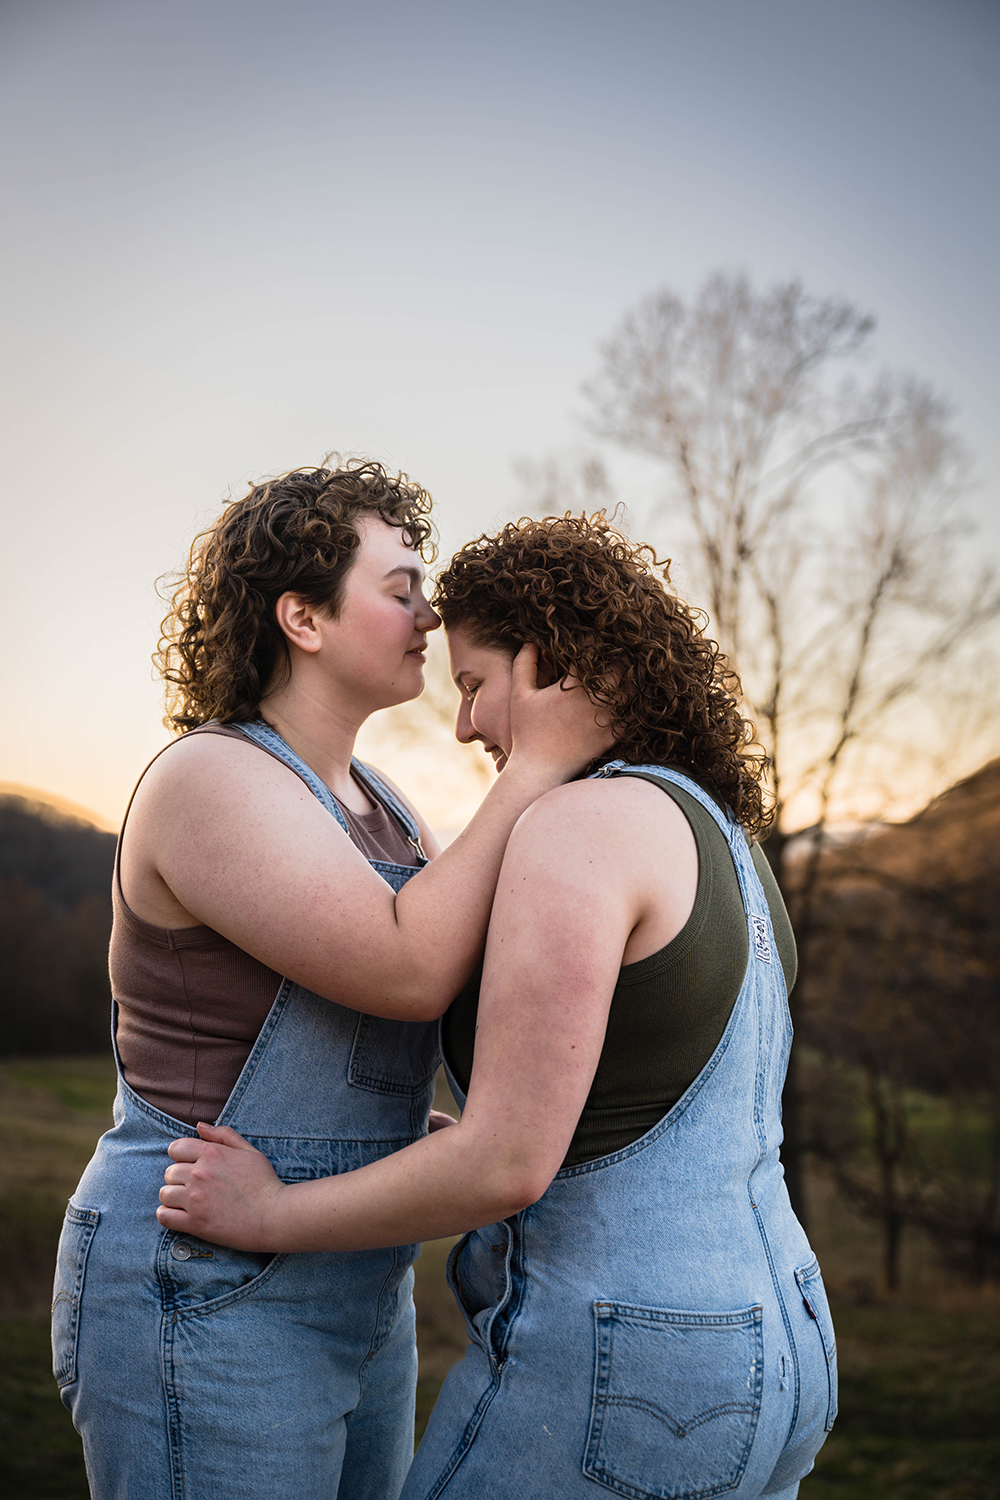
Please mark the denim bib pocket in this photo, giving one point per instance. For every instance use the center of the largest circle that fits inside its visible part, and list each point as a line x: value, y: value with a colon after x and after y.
x: 810, y: 1284
x: 78, y: 1231
x: 676, y: 1400
x: 394, y: 1057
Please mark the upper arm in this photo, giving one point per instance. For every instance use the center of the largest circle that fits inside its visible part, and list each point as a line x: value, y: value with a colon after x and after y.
x: 247, y: 849
x: 569, y: 894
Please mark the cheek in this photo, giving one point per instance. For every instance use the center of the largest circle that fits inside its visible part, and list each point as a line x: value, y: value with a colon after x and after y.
x: 491, y: 715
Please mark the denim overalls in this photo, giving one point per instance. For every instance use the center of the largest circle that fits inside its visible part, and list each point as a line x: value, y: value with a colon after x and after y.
x: 655, y: 1325
x: 199, y: 1373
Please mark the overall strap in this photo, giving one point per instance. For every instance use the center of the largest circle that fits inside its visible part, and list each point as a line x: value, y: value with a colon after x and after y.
x: 262, y: 734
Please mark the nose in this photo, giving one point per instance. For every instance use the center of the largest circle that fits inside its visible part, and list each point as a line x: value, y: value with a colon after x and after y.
x: 426, y: 618
x: 464, y: 730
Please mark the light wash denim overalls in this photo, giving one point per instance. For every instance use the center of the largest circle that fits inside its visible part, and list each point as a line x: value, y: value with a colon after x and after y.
x: 198, y: 1373
x: 656, y: 1324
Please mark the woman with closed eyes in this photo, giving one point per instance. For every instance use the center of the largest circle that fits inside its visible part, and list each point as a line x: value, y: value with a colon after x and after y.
x: 286, y: 936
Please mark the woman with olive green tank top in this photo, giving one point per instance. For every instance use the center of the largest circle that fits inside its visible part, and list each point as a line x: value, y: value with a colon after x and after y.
x: 668, y: 1011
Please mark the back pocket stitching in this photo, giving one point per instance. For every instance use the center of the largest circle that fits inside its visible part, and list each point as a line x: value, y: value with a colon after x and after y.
x: 606, y: 1315
x: 85, y: 1222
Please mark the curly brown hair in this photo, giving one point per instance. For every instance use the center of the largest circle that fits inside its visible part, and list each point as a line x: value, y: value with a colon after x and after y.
x: 600, y: 606
x: 220, y: 644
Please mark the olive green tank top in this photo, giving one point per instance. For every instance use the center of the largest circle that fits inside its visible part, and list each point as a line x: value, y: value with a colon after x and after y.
x: 668, y: 1011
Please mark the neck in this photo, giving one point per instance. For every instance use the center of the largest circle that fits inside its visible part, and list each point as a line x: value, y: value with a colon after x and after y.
x: 322, y: 734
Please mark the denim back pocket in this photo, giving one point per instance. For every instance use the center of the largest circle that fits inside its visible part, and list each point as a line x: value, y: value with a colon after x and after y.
x: 394, y: 1057
x: 810, y: 1284
x: 71, y: 1268
x: 676, y: 1400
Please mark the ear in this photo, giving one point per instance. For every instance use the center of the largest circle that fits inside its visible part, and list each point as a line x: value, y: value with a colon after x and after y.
x: 546, y: 672
x: 298, y: 622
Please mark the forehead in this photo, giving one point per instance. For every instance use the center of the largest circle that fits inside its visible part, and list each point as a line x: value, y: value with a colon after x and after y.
x: 384, y: 548
x: 468, y: 655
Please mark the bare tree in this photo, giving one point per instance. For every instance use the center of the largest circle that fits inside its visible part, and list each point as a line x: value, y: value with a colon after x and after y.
x: 817, y: 512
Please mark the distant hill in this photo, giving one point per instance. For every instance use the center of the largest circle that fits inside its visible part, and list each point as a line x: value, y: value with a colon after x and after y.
x: 907, y: 965
x: 52, y: 800
x: 60, y: 854
x: 55, y: 922
x: 955, y: 838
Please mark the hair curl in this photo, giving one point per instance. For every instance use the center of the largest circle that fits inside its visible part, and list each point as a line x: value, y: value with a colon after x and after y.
x: 220, y: 644
x: 598, y: 605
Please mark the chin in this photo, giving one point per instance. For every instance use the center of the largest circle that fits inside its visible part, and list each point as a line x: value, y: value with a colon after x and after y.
x: 405, y: 693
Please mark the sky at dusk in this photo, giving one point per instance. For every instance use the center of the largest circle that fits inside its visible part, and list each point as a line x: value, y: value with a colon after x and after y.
x: 239, y: 235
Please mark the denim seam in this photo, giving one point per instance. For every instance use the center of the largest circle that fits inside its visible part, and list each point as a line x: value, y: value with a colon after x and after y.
x: 468, y: 1435
x: 383, y: 1323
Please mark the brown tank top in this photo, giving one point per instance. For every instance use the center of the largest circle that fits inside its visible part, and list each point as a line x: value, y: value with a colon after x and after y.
x: 190, y: 1002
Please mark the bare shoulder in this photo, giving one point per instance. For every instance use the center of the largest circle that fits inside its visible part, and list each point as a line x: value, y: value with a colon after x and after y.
x: 212, y: 767
x: 610, y: 813
x: 598, y: 799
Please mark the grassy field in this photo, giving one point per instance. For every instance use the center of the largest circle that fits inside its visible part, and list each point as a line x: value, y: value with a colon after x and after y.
x: 920, y: 1374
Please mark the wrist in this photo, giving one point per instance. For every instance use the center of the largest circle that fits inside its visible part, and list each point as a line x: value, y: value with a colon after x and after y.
x: 532, y: 773
x: 277, y: 1220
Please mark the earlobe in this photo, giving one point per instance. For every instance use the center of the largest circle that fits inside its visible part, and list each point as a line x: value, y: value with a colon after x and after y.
x: 297, y: 621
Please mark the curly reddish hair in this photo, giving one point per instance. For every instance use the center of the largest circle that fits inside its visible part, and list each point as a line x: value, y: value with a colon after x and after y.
x: 600, y: 606
x: 220, y: 644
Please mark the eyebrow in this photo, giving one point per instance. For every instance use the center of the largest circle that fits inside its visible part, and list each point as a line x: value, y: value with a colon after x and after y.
x: 415, y: 575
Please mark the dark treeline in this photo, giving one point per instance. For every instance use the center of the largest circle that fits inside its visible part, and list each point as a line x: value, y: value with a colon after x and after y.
x: 55, y: 920
x: 901, y: 1028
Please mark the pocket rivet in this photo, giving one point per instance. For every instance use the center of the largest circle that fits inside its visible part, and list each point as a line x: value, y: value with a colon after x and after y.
x: 181, y: 1250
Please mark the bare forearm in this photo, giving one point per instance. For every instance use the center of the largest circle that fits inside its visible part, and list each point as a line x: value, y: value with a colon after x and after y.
x: 382, y: 1208
x: 442, y: 913
x: 441, y: 1185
